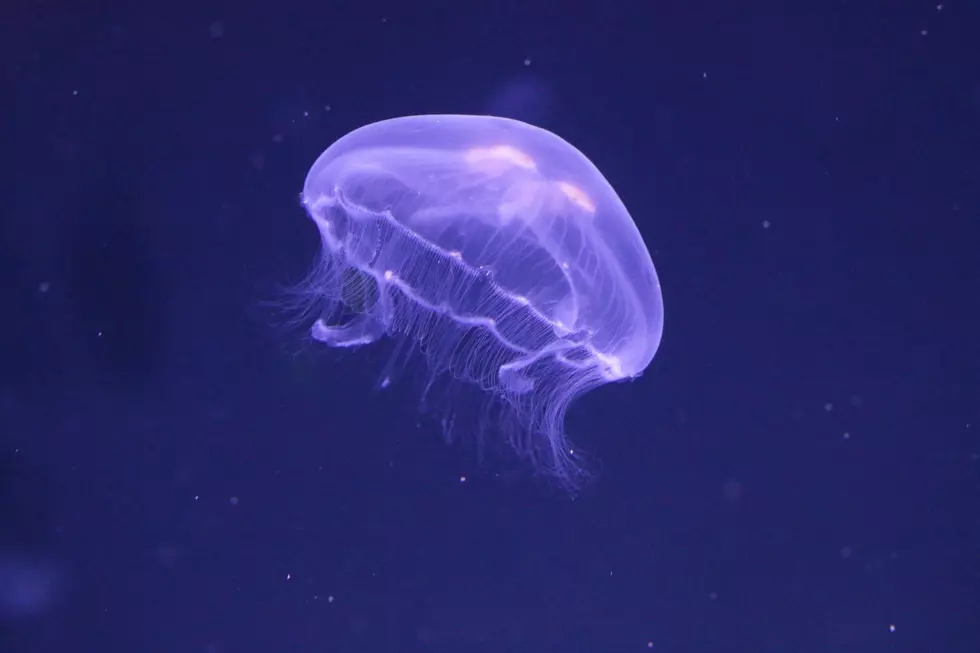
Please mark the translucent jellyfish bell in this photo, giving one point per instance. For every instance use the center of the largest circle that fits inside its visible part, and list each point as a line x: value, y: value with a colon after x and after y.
x: 495, y: 246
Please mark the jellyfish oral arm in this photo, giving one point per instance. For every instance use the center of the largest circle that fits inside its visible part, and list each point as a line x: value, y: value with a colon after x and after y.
x: 363, y: 329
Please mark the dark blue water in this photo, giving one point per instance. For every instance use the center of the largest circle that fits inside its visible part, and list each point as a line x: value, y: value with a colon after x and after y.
x: 798, y: 470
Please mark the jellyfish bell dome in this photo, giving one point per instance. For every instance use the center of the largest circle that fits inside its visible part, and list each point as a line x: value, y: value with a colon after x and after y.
x: 495, y: 246
x: 510, y: 201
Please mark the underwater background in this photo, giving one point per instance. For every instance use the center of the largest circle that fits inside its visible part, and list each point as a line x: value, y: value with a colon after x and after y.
x: 798, y: 469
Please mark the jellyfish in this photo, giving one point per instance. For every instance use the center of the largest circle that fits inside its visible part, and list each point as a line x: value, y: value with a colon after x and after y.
x: 500, y: 253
